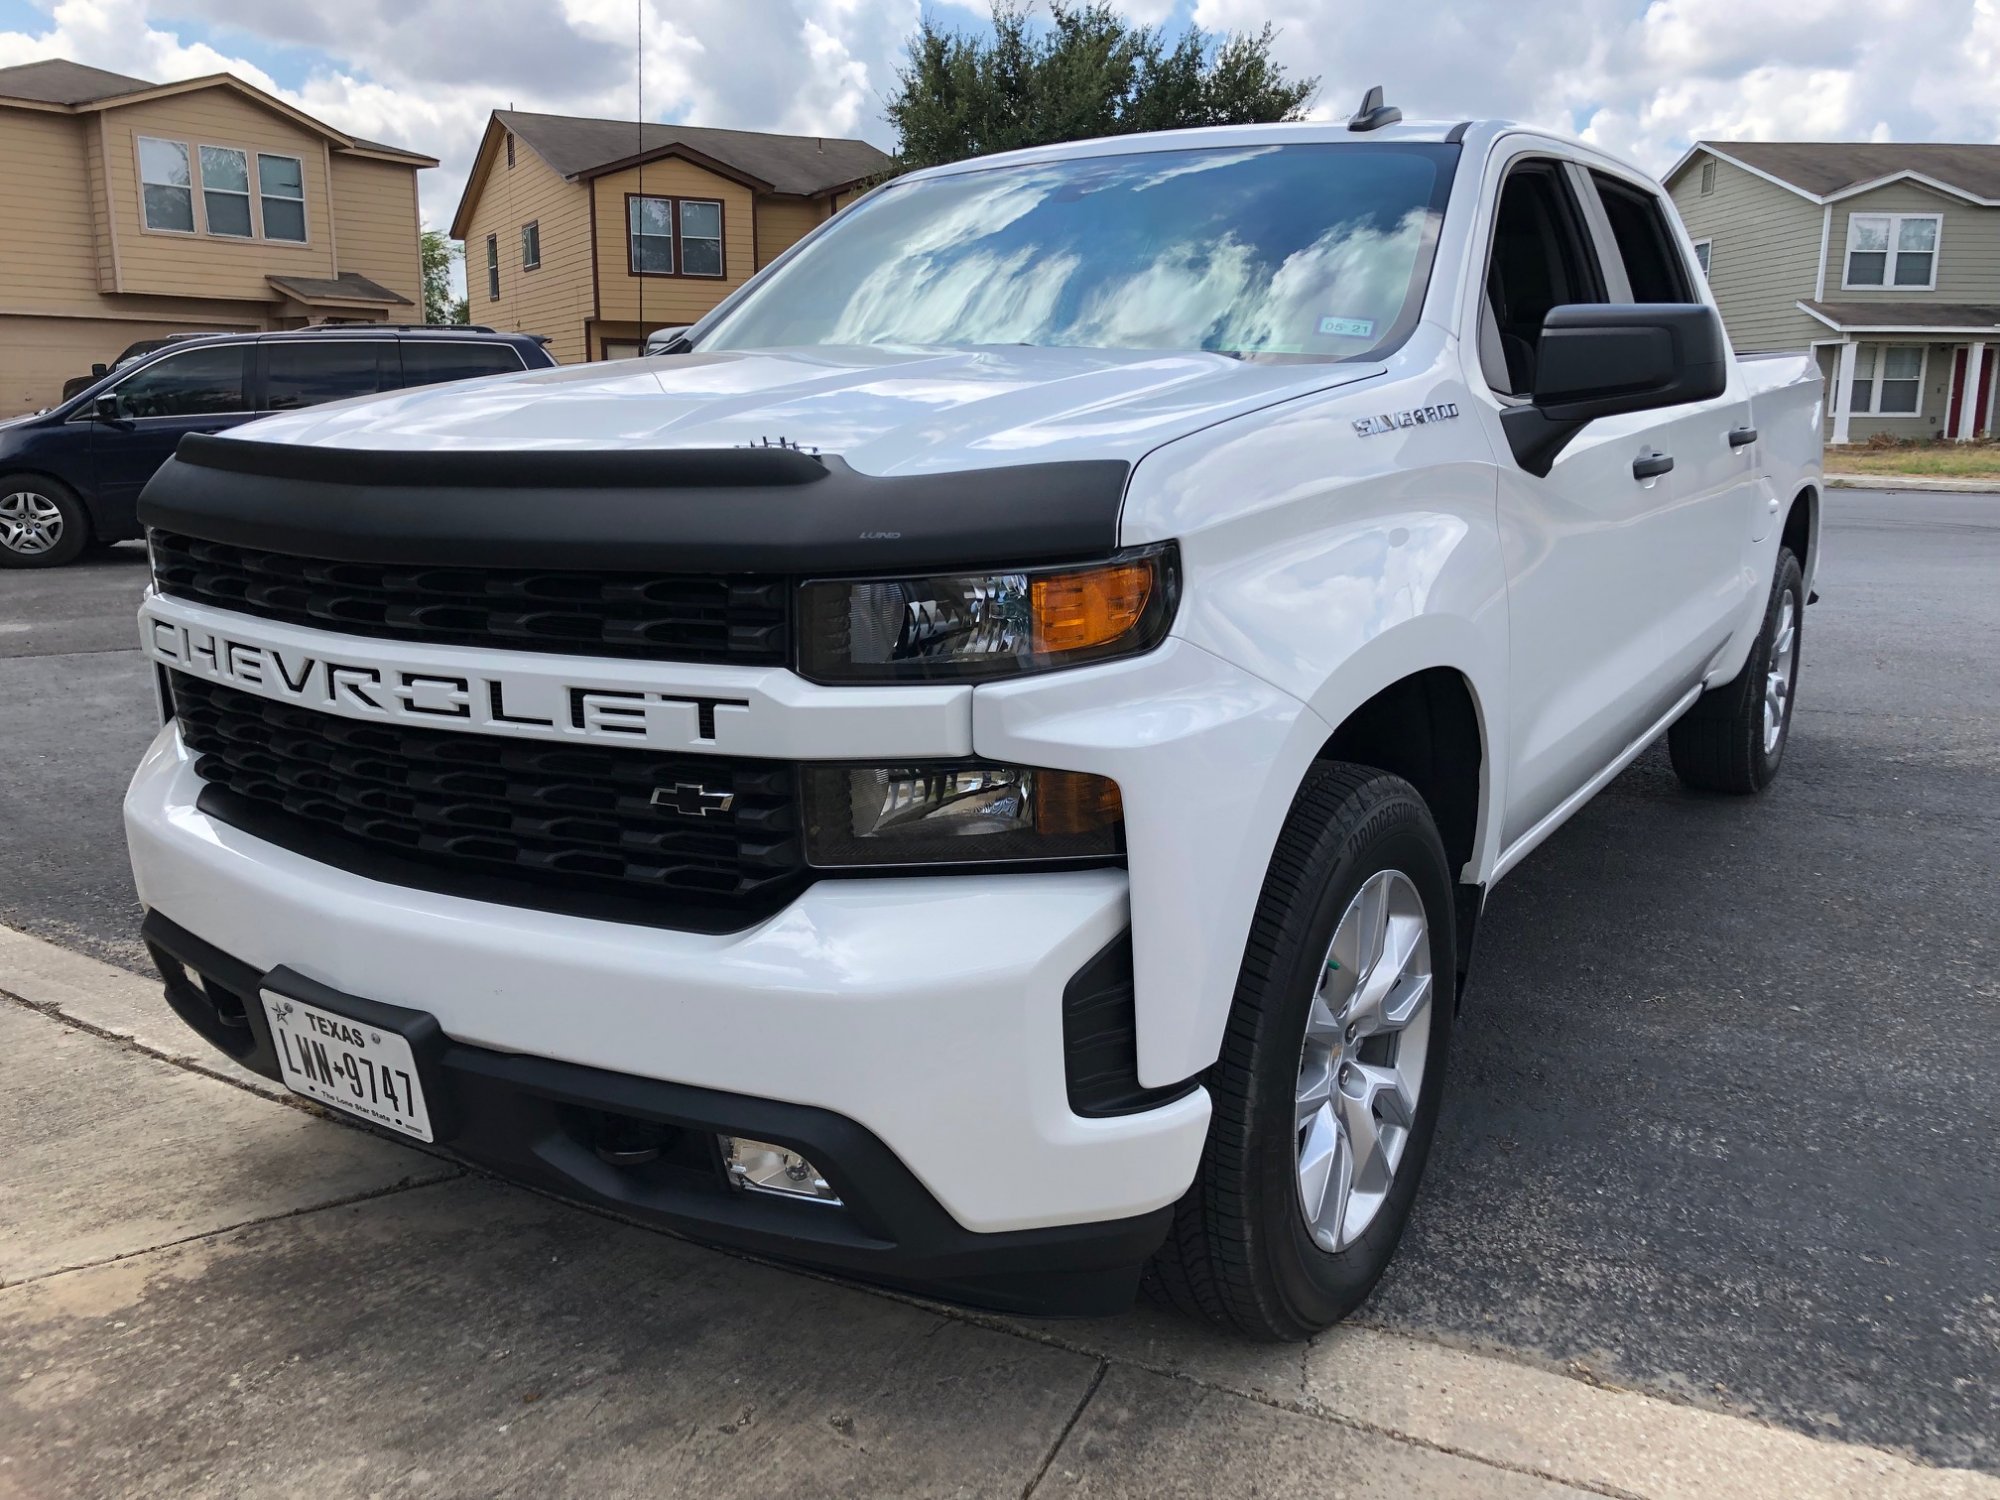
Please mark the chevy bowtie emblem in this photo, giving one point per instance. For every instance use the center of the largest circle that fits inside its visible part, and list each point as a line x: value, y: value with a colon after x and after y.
x: 694, y: 801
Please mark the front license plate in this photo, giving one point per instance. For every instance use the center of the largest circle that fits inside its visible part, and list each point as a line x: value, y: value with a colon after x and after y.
x: 339, y: 1061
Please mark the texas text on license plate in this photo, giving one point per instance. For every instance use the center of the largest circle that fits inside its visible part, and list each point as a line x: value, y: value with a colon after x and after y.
x: 339, y: 1061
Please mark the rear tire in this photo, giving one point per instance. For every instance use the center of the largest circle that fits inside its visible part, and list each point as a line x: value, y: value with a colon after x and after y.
x: 42, y: 523
x: 1733, y: 739
x: 1312, y: 1067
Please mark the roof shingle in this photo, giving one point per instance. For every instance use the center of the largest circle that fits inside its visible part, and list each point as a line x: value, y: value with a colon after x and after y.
x: 57, y: 80
x: 800, y: 164
x: 348, y: 286
x: 1906, y: 315
x: 1824, y: 167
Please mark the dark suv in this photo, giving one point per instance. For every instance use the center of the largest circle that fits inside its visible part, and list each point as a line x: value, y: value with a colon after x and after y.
x: 71, y: 475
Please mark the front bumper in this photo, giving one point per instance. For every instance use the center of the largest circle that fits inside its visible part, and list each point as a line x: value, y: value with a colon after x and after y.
x: 923, y: 1014
x: 542, y: 1122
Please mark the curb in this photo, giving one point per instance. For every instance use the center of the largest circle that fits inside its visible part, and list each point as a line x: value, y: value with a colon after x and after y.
x: 1912, y: 482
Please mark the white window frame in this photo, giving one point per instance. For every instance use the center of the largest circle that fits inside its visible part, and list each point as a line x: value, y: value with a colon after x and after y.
x: 1888, y: 283
x: 248, y: 194
x: 531, y: 229
x: 1704, y: 256
x: 1707, y: 187
x: 305, y: 209
x: 1880, y: 359
x: 192, y: 157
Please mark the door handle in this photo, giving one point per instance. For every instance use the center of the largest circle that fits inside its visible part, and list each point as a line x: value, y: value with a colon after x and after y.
x: 1652, y: 465
x: 1741, y: 436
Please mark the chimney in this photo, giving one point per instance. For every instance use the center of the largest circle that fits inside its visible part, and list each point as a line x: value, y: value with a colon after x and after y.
x: 819, y: 145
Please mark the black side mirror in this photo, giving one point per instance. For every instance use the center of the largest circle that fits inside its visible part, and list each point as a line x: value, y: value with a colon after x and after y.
x: 1604, y: 359
x: 100, y: 368
x: 105, y: 409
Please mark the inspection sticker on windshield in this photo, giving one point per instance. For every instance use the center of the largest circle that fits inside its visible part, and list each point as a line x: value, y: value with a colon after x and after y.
x: 1348, y: 328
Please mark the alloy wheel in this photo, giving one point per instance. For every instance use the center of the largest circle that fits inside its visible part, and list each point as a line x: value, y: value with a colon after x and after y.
x: 30, y: 523
x: 1778, y: 677
x: 1361, y: 1068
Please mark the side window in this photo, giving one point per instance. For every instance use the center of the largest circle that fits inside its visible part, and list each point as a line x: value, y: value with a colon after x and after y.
x: 1645, y: 242
x: 199, y: 382
x: 307, y: 374
x: 1541, y: 259
x: 435, y: 363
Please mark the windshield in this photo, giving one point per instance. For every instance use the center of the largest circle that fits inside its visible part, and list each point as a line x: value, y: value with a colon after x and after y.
x: 1314, y: 250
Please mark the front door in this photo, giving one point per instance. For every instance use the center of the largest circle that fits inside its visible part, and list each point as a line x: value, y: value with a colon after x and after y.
x: 1618, y: 568
x: 204, y: 389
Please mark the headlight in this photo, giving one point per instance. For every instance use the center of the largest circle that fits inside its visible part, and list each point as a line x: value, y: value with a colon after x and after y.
x: 977, y: 626
x: 966, y: 813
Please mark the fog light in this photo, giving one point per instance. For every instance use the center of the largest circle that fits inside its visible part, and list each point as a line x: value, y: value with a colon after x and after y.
x: 760, y: 1167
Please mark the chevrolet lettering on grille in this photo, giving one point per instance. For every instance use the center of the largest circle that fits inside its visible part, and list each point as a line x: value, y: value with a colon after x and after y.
x: 530, y: 704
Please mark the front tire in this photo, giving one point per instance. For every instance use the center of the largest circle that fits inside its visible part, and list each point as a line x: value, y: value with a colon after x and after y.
x: 1327, y: 1090
x: 42, y: 523
x: 1733, y: 739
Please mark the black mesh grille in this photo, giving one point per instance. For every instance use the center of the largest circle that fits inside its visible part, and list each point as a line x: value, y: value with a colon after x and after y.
x: 661, y: 617
x: 575, y: 818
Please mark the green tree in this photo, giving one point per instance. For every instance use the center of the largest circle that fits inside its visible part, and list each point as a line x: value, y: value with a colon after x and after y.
x: 1088, y: 72
x: 438, y: 255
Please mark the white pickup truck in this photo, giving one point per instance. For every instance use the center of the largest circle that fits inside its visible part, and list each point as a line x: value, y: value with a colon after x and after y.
x: 981, y: 770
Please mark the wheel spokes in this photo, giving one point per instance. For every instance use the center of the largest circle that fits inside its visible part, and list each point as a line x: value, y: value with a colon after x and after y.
x: 1361, y: 1059
x: 1326, y: 1177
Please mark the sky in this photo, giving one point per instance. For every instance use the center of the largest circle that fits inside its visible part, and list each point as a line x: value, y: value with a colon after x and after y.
x: 1640, y: 79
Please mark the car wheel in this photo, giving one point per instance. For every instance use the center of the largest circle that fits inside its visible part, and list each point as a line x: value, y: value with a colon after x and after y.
x: 1326, y: 1093
x: 42, y: 524
x: 1733, y: 739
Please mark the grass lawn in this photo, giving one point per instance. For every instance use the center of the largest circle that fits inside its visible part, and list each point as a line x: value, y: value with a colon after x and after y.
x: 1930, y: 460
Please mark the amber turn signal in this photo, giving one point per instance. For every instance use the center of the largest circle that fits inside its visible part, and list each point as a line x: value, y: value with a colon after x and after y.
x: 1095, y: 607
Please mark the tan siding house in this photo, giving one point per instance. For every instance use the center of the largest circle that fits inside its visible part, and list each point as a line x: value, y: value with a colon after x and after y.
x: 130, y: 210
x: 1883, y: 259
x: 594, y: 233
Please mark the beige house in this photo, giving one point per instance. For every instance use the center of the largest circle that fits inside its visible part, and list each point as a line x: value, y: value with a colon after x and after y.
x: 1884, y: 259
x: 131, y: 210
x: 594, y: 233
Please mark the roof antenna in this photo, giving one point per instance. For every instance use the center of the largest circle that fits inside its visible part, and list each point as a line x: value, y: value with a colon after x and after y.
x: 639, y: 132
x: 1374, y: 114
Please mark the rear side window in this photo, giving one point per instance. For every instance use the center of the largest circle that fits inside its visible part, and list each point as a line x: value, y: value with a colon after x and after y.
x: 432, y: 364
x: 1645, y: 242
x: 305, y: 374
x: 199, y: 382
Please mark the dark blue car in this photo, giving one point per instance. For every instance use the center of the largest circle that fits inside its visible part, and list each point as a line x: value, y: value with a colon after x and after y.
x: 70, y: 476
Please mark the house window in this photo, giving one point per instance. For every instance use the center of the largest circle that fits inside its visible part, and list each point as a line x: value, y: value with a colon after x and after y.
x: 1708, y: 177
x: 651, y: 221
x: 493, y: 268
x: 1892, y: 250
x: 510, y: 150
x: 674, y: 236
x: 1888, y: 379
x: 281, y: 185
x: 531, y: 246
x: 1703, y: 249
x: 701, y: 238
x: 225, y: 191
x: 166, y: 187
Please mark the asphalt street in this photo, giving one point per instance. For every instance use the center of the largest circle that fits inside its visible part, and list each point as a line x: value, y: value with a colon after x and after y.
x: 1722, y: 1121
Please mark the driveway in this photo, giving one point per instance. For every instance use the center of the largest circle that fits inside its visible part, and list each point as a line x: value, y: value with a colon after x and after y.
x: 1721, y: 1128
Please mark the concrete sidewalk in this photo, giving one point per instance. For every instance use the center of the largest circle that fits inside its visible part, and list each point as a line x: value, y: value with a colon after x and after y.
x: 207, y: 1288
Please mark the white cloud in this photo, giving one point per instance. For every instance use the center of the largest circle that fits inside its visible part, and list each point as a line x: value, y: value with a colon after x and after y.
x: 1645, y: 79
x: 1639, y: 78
